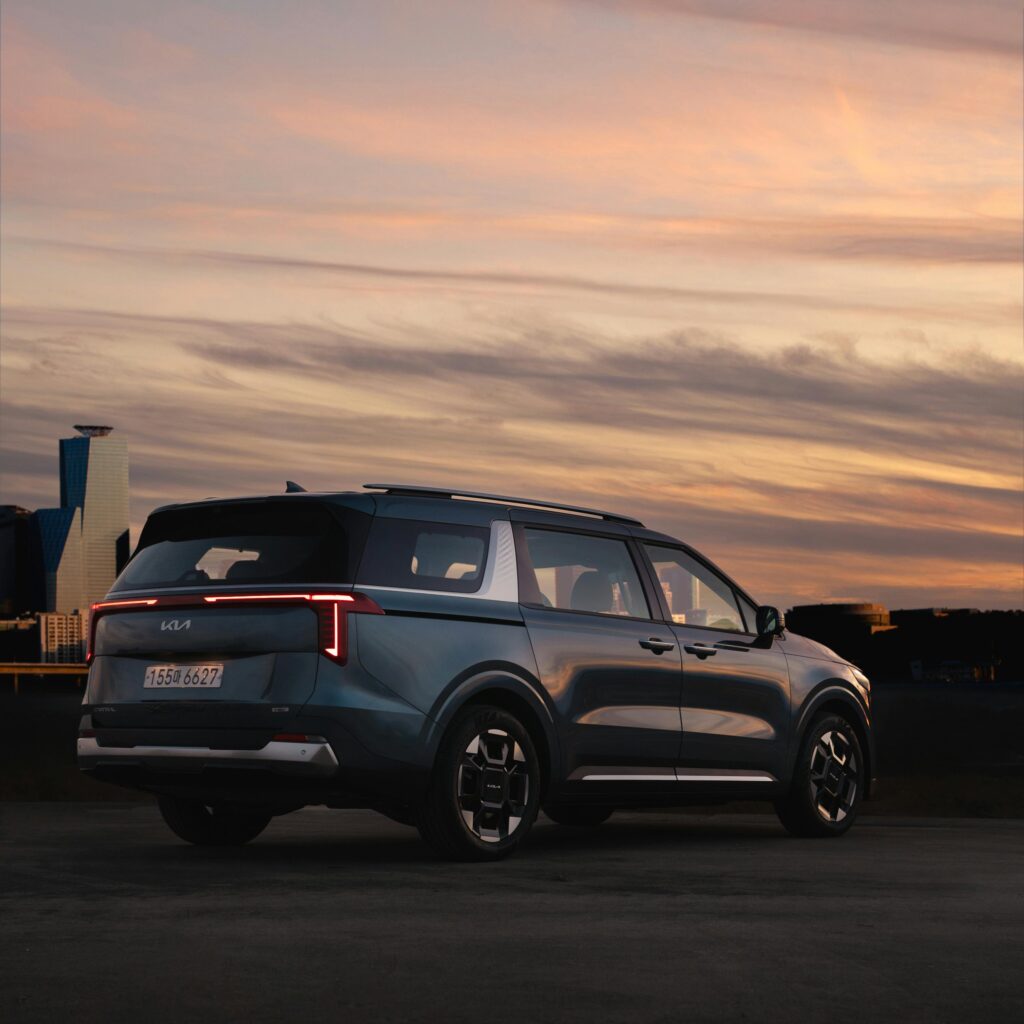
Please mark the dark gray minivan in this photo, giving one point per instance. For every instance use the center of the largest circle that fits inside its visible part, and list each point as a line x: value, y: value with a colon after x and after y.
x: 457, y: 661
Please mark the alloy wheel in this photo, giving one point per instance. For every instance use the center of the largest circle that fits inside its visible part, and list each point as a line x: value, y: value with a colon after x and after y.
x: 834, y: 776
x: 493, y: 785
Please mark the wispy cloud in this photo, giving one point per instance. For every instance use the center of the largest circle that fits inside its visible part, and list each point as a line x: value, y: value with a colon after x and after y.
x: 427, y: 277
x: 692, y: 429
x: 750, y: 269
x: 990, y: 27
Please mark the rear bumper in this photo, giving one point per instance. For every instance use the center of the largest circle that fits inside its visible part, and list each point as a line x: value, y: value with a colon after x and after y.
x: 309, y: 759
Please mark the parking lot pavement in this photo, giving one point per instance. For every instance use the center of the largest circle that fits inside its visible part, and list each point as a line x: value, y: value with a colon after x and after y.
x: 343, y: 915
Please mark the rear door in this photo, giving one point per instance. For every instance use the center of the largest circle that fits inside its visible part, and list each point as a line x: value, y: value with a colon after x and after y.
x: 610, y: 670
x: 207, y: 657
x: 232, y: 637
x: 735, y: 689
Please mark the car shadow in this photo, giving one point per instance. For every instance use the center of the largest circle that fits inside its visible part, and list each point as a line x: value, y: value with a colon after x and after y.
x: 387, y: 845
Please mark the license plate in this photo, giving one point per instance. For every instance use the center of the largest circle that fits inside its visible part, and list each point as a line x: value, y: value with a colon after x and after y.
x: 190, y: 677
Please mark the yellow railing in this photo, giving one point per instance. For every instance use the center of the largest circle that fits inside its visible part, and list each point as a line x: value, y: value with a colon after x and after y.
x: 17, y: 669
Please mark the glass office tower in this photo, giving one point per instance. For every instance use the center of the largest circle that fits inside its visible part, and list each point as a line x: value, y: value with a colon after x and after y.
x: 94, y: 479
x: 63, y: 564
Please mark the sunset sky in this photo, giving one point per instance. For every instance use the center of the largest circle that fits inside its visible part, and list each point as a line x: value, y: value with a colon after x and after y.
x: 750, y: 270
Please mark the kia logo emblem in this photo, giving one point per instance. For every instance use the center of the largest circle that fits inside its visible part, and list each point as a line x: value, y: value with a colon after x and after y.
x: 175, y: 624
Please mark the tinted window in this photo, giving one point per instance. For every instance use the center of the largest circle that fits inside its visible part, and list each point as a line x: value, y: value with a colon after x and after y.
x: 580, y: 573
x: 424, y: 556
x: 749, y: 613
x: 696, y: 596
x: 247, y: 543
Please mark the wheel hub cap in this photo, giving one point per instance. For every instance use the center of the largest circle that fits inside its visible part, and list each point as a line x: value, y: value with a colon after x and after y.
x: 493, y: 785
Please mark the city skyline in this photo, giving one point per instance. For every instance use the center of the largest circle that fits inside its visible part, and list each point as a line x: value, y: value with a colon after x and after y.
x: 749, y: 271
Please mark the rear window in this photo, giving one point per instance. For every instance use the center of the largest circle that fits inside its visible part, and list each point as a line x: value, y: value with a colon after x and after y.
x: 424, y: 556
x: 247, y: 543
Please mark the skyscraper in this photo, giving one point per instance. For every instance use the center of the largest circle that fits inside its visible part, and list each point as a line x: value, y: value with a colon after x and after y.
x: 94, y: 479
x: 20, y: 577
x: 61, y: 548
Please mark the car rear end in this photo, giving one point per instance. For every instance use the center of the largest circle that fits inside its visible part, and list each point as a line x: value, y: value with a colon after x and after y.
x: 206, y: 654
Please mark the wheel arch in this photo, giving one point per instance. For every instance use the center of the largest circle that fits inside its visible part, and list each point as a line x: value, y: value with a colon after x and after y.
x: 838, y: 698
x: 512, y: 693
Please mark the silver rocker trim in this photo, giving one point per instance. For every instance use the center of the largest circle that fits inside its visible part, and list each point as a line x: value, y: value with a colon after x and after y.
x: 619, y: 774
x: 277, y: 755
x: 722, y: 775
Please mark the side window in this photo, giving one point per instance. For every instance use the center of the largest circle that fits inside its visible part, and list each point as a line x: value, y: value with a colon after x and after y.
x: 424, y: 556
x: 581, y: 573
x: 696, y: 596
x: 749, y: 613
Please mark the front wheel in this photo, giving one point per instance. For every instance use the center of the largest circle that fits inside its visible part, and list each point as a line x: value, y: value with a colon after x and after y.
x: 828, y: 781
x: 485, y: 788
x: 217, y: 825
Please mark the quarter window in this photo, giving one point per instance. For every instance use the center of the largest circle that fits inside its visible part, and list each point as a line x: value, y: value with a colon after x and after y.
x: 695, y: 595
x: 415, y: 555
x: 580, y: 573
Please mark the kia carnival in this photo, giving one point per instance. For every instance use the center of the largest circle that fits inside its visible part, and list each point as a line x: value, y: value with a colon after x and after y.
x: 458, y: 662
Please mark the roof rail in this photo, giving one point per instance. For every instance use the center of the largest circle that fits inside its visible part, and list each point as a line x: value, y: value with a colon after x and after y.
x: 439, y: 492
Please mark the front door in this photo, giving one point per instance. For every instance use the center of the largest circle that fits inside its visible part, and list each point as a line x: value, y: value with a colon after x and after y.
x: 612, y: 672
x: 735, y: 694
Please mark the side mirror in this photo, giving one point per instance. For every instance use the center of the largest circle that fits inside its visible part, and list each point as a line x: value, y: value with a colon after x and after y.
x: 770, y: 621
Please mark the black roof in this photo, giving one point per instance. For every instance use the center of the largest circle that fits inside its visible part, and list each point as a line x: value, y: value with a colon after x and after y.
x: 416, y: 491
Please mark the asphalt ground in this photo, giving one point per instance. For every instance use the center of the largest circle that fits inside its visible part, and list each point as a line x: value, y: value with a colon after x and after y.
x: 345, y: 916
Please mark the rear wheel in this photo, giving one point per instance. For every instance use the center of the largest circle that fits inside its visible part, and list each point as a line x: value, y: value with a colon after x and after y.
x: 578, y: 815
x: 217, y: 825
x: 485, y: 788
x: 828, y: 782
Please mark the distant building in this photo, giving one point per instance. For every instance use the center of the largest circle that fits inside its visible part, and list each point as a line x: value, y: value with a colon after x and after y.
x: 872, y: 617
x: 20, y: 584
x: 842, y: 627
x: 60, y: 560
x: 953, y: 670
x: 59, y: 532
x: 922, y: 616
x: 19, y: 639
x: 61, y: 637
x: 52, y: 637
x: 94, y: 479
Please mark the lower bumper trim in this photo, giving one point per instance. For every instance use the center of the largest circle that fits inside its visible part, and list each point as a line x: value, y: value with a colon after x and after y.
x: 277, y: 755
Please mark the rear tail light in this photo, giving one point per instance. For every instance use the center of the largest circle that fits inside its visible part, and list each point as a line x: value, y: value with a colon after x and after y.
x: 97, y: 609
x: 297, y: 737
x: 332, y: 615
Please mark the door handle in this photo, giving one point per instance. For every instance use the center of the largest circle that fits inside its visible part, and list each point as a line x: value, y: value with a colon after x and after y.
x: 656, y: 645
x: 701, y: 650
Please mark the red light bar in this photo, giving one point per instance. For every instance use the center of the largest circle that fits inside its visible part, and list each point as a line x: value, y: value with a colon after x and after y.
x: 334, y: 650
x: 123, y: 604
x: 333, y: 624
x: 279, y: 597
x: 96, y: 609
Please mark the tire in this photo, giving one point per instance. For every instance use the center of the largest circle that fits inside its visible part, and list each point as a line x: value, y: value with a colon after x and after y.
x: 220, y: 825
x: 485, y: 752
x: 578, y: 815
x: 828, y: 780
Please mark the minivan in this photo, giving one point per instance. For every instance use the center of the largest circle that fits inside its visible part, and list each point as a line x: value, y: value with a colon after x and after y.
x: 457, y: 661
